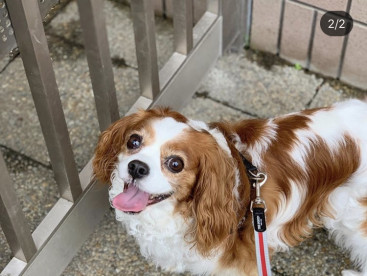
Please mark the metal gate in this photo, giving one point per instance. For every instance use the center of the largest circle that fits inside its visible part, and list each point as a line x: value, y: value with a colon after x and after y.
x: 83, y: 201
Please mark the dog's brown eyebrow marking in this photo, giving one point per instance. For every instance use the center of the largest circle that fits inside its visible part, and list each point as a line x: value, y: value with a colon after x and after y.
x: 147, y: 133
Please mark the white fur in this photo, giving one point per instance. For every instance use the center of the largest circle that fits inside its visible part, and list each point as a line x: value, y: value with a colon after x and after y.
x: 302, y: 148
x: 198, y: 125
x: 160, y: 235
x: 349, y: 216
x: 286, y: 212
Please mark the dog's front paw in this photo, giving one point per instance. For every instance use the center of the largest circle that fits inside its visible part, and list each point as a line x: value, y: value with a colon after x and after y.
x: 349, y: 272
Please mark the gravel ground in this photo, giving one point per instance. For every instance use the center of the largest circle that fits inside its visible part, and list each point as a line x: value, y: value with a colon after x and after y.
x: 249, y: 84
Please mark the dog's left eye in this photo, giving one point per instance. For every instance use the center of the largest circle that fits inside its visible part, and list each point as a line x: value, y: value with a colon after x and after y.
x: 175, y: 164
x: 134, y: 142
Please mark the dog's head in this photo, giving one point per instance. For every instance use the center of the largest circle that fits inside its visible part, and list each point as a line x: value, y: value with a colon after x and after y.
x: 160, y: 154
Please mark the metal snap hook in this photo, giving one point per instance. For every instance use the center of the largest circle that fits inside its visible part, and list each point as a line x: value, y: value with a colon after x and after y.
x: 260, y: 178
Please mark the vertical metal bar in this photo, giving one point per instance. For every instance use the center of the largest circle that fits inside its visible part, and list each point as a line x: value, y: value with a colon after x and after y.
x: 99, y: 60
x: 344, y: 47
x: 182, y: 74
x: 214, y: 6
x: 231, y: 12
x: 199, y: 8
x: 280, y: 31
x: 31, y: 39
x: 248, y: 23
x: 183, y: 26
x: 145, y: 44
x: 240, y: 40
x: 12, y: 219
x: 310, y: 42
x: 164, y: 9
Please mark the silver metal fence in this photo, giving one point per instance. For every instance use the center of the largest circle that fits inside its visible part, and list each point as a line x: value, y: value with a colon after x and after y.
x: 83, y: 201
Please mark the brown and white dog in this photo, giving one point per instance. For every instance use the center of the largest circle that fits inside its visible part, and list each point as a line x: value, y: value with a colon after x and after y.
x: 181, y: 189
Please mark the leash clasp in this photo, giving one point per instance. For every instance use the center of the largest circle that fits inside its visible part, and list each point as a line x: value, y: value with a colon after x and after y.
x: 260, y: 179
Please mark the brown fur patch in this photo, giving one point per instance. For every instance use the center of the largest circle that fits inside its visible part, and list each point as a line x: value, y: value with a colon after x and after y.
x: 181, y: 182
x: 278, y: 164
x: 228, y: 130
x: 208, y: 202
x: 250, y: 131
x: 324, y: 174
x: 312, y: 111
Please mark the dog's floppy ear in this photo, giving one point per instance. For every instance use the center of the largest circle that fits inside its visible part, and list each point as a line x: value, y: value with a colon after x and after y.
x: 214, y: 205
x: 109, y: 146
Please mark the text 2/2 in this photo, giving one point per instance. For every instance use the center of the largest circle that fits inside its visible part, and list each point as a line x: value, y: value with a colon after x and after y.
x: 336, y: 23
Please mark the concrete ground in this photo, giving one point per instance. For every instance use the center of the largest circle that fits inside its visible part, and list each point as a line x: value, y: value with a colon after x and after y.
x: 243, y: 85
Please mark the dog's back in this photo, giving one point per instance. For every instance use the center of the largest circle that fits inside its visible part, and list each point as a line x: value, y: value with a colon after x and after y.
x: 321, y: 156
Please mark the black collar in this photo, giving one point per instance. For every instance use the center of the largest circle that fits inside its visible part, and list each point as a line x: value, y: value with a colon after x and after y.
x: 251, y: 169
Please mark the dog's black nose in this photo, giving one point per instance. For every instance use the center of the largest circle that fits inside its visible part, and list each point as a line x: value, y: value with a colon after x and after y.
x: 137, y: 169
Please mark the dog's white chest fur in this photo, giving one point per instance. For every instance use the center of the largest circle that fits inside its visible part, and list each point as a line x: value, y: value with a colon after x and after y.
x: 161, y: 236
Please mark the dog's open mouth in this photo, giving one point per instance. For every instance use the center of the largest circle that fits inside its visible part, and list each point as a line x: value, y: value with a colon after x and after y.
x: 133, y: 200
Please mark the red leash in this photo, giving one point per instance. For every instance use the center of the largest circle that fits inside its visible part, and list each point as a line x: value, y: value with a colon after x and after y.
x: 258, y: 209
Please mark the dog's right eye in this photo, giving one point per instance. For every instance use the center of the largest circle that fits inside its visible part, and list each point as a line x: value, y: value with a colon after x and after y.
x: 134, y: 141
x: 175, y: 164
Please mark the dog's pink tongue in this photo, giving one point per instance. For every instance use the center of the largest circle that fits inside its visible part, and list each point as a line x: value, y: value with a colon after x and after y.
x: 131, y: 200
